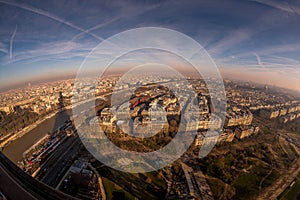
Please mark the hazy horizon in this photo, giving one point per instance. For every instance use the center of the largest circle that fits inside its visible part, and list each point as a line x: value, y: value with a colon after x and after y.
x: 248, y: 40
x: 243, y: 77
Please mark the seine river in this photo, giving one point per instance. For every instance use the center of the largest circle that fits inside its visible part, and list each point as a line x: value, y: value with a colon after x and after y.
x: 14, y: 151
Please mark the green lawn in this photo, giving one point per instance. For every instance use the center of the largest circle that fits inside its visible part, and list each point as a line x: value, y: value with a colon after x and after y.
x: 111, y: 187
x: 245, y: 185
x: 156, y: 180
x: 291, y: 193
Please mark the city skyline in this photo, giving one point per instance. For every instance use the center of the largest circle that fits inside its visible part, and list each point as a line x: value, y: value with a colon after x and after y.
x: 249, y: 40
x: 149, y: 99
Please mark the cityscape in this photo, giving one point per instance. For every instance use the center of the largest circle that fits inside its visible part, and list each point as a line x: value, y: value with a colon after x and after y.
x: 255, y: 112
x: 146, y: 100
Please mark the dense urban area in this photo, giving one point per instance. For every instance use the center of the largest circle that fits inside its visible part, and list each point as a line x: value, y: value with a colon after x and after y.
x: 256, y: 156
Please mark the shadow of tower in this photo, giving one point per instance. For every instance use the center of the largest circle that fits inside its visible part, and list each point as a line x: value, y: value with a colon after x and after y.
x: 61, y: 101
x: 63, y: 114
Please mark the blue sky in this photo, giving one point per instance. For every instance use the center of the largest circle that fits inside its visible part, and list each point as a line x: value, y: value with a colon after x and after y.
x: 251, y: 40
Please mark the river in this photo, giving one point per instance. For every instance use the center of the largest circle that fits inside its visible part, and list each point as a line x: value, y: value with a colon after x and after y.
x: 14, y: 150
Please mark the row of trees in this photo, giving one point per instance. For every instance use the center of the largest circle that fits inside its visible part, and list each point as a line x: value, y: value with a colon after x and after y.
x: 16, y: 121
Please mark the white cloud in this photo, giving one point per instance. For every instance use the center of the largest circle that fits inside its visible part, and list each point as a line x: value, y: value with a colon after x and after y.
x: 281, y: 5
x: 98, y: 26
x: 60, y: 50
x: 11, y: 43
x: 258, y: 59
x: 3, y: 48
x: 49, y: 15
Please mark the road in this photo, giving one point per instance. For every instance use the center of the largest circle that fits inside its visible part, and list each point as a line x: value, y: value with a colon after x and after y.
x: 55, y: 166
x: 286, y: 178
x: 282, y: 183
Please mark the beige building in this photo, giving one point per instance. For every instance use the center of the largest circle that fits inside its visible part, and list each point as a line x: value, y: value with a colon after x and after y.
x: 246, y: 131
x: 7, y: 109
x: 239, y: 120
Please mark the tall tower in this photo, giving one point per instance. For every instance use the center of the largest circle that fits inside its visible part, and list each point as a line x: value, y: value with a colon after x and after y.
x: 60, y: 100
x: 266, y: 88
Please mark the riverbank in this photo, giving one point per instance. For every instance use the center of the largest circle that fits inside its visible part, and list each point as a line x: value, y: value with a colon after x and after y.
x: 25, y: 130
x: 14, y: 149
x: 16, y: 145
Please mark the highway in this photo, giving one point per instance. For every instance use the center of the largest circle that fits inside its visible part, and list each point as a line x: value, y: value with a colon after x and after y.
x: 58, y: 163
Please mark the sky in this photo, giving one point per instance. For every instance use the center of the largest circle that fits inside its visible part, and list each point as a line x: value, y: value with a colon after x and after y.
x: 255, y: 40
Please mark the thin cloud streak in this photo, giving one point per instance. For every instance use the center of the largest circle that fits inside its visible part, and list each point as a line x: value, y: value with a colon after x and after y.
x: 94, y: 28
x: 275, y: 50
x: 11, y: 43
x: 245, y: 33
x: 51, y: 16
x: 56, y: 50
x: 232, y: 39
x: 283, y: 60
x: 271, y: 52
x: 259, y: 60
x: 281, y: 5
x: 3, y: 48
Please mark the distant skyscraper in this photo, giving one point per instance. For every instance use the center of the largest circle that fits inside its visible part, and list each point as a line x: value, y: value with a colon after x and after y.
x: 266, y: 87
x: 61, y: 100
